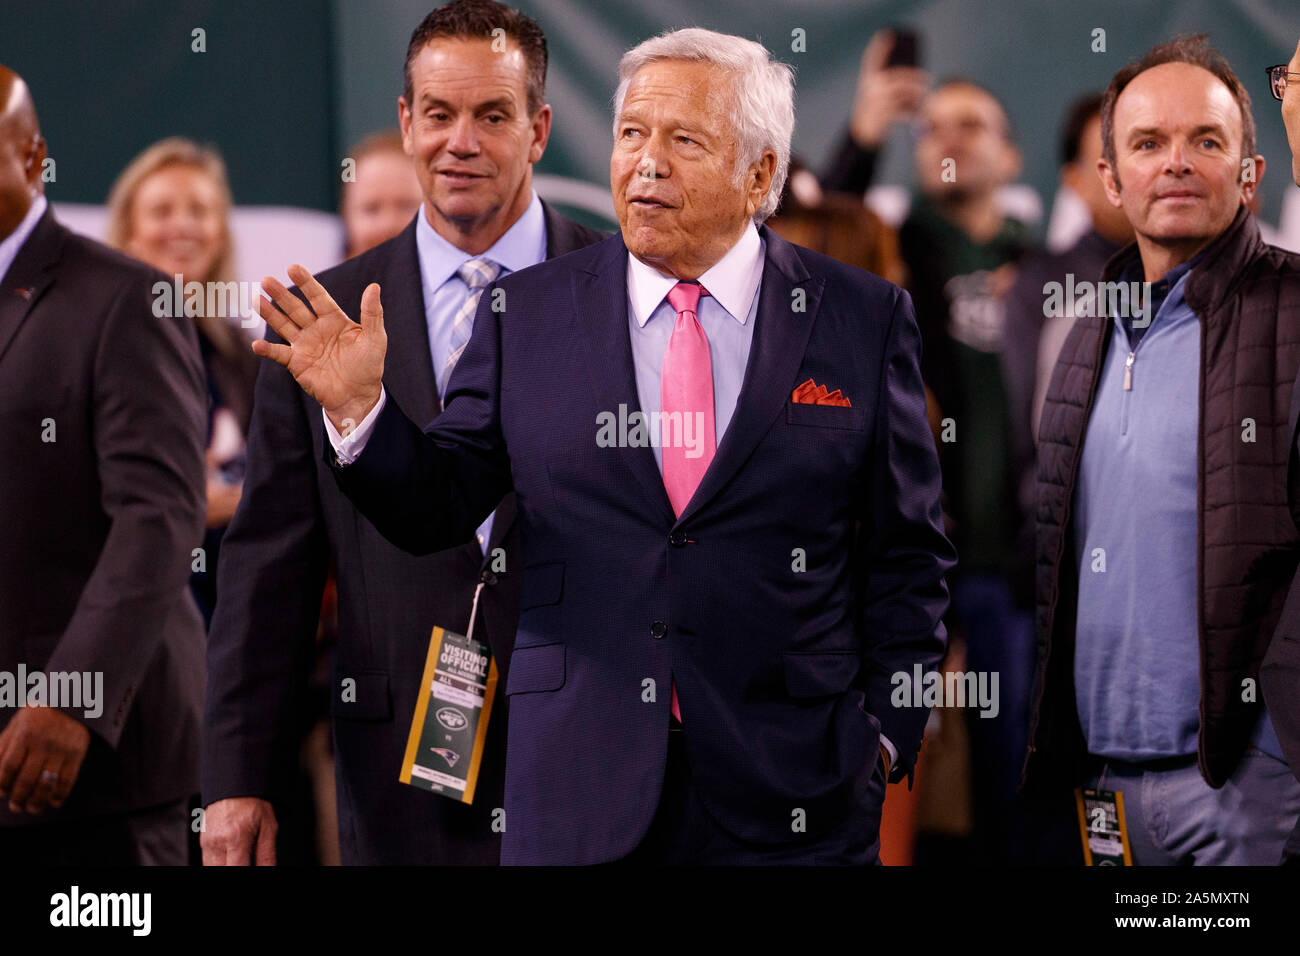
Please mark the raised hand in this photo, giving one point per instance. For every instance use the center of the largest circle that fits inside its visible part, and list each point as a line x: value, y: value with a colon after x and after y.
x: 335, y: 361
x: 885, y: 95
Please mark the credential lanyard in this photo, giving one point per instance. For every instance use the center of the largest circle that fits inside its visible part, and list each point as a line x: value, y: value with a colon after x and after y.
x: 473, y: 611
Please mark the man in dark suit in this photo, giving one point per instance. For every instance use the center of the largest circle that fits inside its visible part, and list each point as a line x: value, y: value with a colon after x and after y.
x: 474, y: 119
x: 719, y: 611
x: 102, y: 422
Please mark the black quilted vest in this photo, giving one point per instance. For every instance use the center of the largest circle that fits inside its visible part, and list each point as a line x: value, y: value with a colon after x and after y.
x: 1247, y: 297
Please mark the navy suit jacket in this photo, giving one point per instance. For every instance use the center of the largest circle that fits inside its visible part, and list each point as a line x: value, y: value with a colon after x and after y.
x: 807, y: 569
x: 292, y: 522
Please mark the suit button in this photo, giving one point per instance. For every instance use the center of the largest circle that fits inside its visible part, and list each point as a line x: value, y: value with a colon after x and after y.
x: 488, y: 578
x: 677, y: 539
x: 658, y: 629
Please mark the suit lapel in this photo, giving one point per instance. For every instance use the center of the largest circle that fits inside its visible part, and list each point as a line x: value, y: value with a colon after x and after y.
x: 409, y: 368
x: 31, y: 273
x: 780, y: 338
x: 561, y: 235
x: 600, y: 300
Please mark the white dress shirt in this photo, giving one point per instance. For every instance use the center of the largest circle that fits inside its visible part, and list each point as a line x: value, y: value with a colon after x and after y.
x: 727, y: 315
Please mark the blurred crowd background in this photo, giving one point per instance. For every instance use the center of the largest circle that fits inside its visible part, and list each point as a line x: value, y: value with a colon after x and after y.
x: 284, y: 90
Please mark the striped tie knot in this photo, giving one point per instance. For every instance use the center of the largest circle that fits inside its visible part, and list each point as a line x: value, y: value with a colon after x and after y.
x: 477, y: 273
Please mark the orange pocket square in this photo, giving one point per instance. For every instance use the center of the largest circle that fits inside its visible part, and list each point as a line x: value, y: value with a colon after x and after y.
x: 810, y: 393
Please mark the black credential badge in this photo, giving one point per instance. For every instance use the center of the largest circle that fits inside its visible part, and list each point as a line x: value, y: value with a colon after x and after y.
x: 449, y: 730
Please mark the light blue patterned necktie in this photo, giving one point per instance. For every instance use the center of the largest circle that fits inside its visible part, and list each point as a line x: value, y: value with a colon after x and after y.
x: 477, y: 274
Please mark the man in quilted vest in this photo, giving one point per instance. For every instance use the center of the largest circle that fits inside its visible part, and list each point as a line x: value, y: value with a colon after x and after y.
x: 1165, y: 544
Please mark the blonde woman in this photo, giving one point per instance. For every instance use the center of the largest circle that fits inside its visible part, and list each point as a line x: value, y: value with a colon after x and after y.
x: 171, y: 209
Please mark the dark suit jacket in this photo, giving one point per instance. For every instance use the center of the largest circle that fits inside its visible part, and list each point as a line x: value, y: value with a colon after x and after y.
x: 784, y: 675
x: 291, y: 522
x: 100, y: 522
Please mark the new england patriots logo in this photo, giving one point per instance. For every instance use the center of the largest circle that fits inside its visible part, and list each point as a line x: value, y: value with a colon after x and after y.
x: 446, y: 754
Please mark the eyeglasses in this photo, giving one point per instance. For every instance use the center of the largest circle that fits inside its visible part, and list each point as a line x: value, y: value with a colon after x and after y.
x: 1277, y: 79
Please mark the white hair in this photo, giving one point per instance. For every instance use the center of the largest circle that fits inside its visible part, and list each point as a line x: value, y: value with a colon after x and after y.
x: 762, y: 95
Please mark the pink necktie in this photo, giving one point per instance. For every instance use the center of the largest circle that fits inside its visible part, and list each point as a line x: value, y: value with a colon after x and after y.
x: 686, y: 396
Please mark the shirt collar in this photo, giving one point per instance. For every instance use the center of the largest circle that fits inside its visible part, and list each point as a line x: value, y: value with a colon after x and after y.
x: 1166, y: 295
x: 1178, y: 271
x: 1168, y: 289
x: 521, y: 246
x: 1176, y: 279
x: 732, y: 280
x: 14, y: 241
x: 1133, y: 272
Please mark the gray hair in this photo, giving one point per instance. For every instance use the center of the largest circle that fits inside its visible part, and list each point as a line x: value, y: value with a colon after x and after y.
x: 762, y: 95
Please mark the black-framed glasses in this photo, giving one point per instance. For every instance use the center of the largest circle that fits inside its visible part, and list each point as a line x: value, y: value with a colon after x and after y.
x: 1277, y: 76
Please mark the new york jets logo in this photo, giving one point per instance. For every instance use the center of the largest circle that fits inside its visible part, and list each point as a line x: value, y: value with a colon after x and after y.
x: 451, y: 718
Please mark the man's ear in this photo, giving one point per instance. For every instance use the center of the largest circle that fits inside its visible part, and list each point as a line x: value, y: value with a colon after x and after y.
x: 760, y: 180
x: 404, y: 121
x: 1254, y: 165
x: 1109, y: 182
x: 541, y: 124
x: 36, y: 161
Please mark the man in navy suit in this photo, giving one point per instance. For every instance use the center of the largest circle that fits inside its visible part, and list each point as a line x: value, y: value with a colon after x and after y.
x: 475, y: 120
x: 727, y: 494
